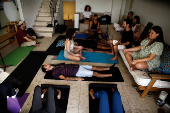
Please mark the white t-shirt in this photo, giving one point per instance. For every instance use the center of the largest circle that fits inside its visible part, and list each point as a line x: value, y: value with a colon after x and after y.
x: 87, y: 14
x: 133, y: 28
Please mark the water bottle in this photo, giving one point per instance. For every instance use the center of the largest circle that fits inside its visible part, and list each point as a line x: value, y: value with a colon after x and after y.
x: 161, y: 100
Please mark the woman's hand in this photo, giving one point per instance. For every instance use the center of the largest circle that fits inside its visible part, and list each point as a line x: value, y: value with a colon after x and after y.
x: 77, y: 55
x: 125, y: 50
x: 134, y: 62
x: 80, y: 47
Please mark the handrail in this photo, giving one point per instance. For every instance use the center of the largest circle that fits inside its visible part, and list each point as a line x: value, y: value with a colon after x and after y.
x: 52, y: 6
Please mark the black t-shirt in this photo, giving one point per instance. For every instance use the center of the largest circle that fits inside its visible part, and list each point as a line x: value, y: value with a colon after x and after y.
x: 127, y: 36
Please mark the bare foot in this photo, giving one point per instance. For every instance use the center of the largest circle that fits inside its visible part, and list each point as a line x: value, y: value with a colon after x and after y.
x: 132, y: 68
x: 83, y: 58
x: 91, y: 93
x: 113, y: 90
x: 36, y: 45
x: 59, y: 94
x: 114, y: 58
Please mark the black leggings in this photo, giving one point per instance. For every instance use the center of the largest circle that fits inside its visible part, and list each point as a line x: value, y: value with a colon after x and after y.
x: 82, y: 20
x: 37, y: 101
x: 5, y: 90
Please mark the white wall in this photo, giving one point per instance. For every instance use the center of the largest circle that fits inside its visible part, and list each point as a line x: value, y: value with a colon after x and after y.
x: 116, y: 6
x: 155, y: 11
x: 96, y: 5
x: 30, y: 11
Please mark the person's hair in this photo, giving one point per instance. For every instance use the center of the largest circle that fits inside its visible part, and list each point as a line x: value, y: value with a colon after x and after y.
x: 85, y: 9
x: 138, y: 19
x: 128, y: 21
x: 95, y: 15
x: 18, y: 27
x: 69, y: 33
x: 160, y: 37
x: 43, y: 69
x: 131, y: 12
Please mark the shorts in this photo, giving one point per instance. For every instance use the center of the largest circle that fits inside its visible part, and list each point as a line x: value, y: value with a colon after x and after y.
x: 84, y: 71
x: 66, y: 54
x: 119, y: 46
x: 117, y: 27
x: 26, y: 44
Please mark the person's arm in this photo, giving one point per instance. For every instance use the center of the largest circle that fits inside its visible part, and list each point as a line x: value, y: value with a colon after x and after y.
x: 71, y: 78
x: 28, y: 39
x: 136, y: 29
x: 91, y: 22
x: 90, y: 17
x: 98, y: 27
x: 133, y: 49
x: 151, y: 57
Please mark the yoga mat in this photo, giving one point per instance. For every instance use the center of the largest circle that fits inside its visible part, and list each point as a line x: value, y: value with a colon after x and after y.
x: 53, y: 50
x: 92, y: 57
x: 26, y: 71
x: 14, y: 105
x: 94, y: 103
x: 17, y: 55
x: 84, y: 36
x: 61, y: 104
x: 116, y: 76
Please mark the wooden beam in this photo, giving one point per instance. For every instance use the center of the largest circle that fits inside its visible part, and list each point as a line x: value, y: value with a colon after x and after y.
x: 148, y: 88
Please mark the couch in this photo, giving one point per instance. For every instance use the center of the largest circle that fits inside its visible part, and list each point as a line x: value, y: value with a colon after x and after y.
x: 144, y: 81
x: 84, y: 26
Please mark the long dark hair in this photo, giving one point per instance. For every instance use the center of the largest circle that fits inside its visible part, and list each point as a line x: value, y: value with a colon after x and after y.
x: 85, y: 9
x: 138, y: 20
x: 69, y: 33
x: 160, y: 37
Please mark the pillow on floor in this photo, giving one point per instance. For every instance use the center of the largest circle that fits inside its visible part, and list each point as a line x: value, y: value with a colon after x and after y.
x: 61, y: 43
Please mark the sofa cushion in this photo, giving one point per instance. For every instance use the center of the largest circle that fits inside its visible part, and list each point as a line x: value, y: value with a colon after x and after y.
x: 165, y: 64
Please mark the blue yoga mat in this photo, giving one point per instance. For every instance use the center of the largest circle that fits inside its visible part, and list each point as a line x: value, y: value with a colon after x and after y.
x: 92, y: 57
x: 84, y: 36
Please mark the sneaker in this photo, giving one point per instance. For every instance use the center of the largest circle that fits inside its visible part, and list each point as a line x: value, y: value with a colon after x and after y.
x: 16, y: 90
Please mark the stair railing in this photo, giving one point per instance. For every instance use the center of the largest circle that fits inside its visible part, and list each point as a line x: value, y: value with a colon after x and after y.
x: 52, y: 6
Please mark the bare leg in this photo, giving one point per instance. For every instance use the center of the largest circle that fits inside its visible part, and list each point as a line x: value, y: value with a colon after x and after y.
x: 100, y: 68
x: 116, y: 51
x: 129, y: 59
x: 74, y: 58
x: 111, y: 45
x: 141, y: 65
x: 101, y: 75
x: 79, y: 51
x: 87, y: 32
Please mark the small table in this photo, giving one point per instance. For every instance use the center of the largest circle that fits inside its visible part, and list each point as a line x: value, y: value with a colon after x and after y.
x: 6, y: 37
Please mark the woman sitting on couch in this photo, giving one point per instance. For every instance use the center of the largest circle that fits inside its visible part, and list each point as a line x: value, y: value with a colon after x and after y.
x: 86, y: 15
x: 147, y: 55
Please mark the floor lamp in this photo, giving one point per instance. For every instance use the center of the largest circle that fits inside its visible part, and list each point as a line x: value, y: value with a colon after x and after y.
x: 3, y: 66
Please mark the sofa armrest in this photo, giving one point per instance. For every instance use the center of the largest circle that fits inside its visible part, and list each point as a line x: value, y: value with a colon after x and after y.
x: 159, y: 76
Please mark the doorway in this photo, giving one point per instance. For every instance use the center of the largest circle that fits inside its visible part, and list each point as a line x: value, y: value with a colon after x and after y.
x: 68, y: 13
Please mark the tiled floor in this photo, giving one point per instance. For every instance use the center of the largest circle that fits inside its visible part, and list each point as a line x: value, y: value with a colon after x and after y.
x: 78, y: 97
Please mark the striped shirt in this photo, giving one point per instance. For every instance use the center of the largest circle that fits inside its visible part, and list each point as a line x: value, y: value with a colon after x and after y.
x: 67, y: 70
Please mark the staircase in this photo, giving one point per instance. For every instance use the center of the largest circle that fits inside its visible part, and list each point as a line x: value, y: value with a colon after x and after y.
x: 43, y: 18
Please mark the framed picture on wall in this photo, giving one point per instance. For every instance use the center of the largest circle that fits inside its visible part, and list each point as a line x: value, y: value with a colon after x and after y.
x: 1, y: 4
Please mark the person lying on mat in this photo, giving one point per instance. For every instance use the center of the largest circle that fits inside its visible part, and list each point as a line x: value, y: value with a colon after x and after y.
x: 74, y: 71
x: 126, y: 40
x: 50, y: 107
x: 147, y: 55
x: 86, y: 15
x: 72, y: 51
x: 94, y: 26
x: 23, y: 38
x: 6, y: 90
x: 116, y: 106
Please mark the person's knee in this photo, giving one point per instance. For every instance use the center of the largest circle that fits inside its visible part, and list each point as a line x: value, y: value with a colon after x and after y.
x: 94, y: 67
x: 139, y: 66
x: 87, y: 32
x: 115, y: 46
x: 127, y: 53
x: 95, y: 73
x: 111, y: 41
x: 77, y: 59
